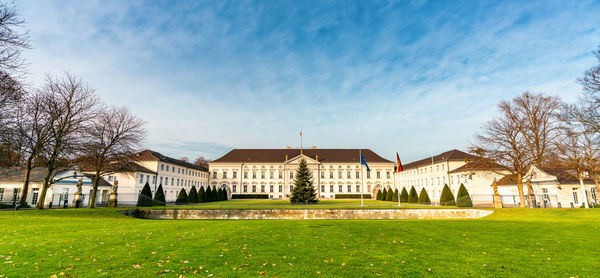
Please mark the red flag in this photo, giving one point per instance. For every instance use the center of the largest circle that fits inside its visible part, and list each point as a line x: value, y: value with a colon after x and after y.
x: 399, y: 168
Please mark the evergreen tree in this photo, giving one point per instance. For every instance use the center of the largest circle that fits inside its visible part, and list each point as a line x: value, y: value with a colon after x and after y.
x: 447, y: 198
x: 384, y: 194
x: 209, y: 194
x: 404, y: 195
x: 159, y: 197
x: 225, y: 197
x: 395, y: 196
x: 424, y: 197
x: 378, y: 196
x: 201, y: 195
x: 412, y: 196
x: 145, y: 197
x: 303, y: 191
x: 193, y: 196
x: 462, y: 197
x: 220, y: 194
x: 389, y: 195
x: 182, y: 198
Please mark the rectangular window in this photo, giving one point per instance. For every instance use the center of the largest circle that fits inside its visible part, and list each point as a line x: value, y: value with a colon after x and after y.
x: 575, y: 199
x: 162, y: 167
x: 161, y: 180
x: 322, y: 174
x: 349, y: 188
x: 368, y: 174
x: 281, y: 188
x: 272, y: 187
x: 322, y: 188
x: 224, y: 174
x: 172, y: 181
x: 340, y: 188
x: 254, y: 189
x: 387, y: 174
x: 253, y: 174
x: 245, y: 188
x: 291, y: 175
x: 339, y: 174
x: 262, y: 188
x: 235, y: 188
x: 167, y: 168
x: 280, y: 175
x: 141, y: 178
x: 349, y: 174
x: 214, y: 175
x: 331, y: 174
x: 245, y: 174
x: 177, y: 182
x: 358, y: 174
x: 234, y: 174
x: 331, y: 188
x: 153, y: 179
x: 271, y: 174
x: 357, y: 188
x: 262, y: 174
x: 378, y: 174
x: 34, y: 198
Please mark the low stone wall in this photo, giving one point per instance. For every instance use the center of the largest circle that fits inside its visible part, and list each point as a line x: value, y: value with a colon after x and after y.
x: 309, y: 213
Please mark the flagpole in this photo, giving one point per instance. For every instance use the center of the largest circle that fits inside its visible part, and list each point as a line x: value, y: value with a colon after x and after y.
x: 361, y: 177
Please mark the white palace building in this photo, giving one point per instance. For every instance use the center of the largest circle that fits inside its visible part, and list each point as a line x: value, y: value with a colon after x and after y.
x: 269, y: 173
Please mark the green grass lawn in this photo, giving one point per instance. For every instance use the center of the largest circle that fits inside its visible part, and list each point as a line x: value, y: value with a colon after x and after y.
x: 102, y: 242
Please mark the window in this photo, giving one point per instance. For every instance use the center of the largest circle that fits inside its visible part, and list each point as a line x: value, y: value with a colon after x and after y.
x: 280, y: 175
x: 349, y: 188
x: 177, y: 182
x: 162, y: 167
x: 271, y: 174
x: 358, y: 174
x: 322, y: 188
x: 339, y: 174
x: 387, y: 173
x: 291, y: 175
x: 253, y: 174
x: 368, y: 188
x: 161, y: 180
x: 437, y: 167
x: 368, y: 174
x: 378, y: 174
x: 34, y: 198
x: 253, y: 188
x: 224, y: 174
x: 245, y: 188
x: 172, y: 181
x: 281, y: 188
x: 262, y: 188
x: 178, y: 170
x: 331, y: 175
x: 438, y: 180
x: 340, y: 188
x: 593, y: 191
x: 262, y: 174
x: 245, y: 174
x: 575, y: 200
x: 357, y: 188
x: 214, y: 175
x: 322, y: 174
x: 235, y: 174
x: 272, y: 187
x: 167, y: 167
x: 442, y: 166
x: 234, y: 187
x: 153, y: 179
x: 141, y: 178
x: 348, y: 174
x: 331, y: 188
x: 173, y: 169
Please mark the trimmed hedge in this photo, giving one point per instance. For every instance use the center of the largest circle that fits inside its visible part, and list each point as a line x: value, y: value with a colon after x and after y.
x: 462, y: 197
x: 384, y: 194
x: 193, y: 196
x: 379, y: 194
x: 201, y: 195
x: 424, y: 197
x: 182, y: 198
x: 208, y: 195
x: 145, y: 197
x: 404, y: 196
x: 390, y: 195
x: 413, y: 198
x: 250, y: 196
x: 159, y: 197
x: 447, y: 198
x: 395, y: 196
x: 352, y: 196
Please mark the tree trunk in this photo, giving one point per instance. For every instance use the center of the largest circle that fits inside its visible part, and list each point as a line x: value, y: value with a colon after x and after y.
x: 520, y: 189
x: 45, y: 186
x: 597, y: 187
x: 25, y: 188
x: 530, y: 195
x: 94, y: 190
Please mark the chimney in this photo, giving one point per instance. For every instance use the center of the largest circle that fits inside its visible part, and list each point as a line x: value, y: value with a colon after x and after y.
x: 286, y: 157
x: 288, y: 147
x: 314, y: 147
x: 317, y: 157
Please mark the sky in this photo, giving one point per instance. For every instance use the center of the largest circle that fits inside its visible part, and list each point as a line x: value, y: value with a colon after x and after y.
x: 413, y: 77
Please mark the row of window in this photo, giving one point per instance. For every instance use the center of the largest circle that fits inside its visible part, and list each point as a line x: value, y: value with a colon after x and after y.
x: 271, y: 174
x: 183, y: 171
x: 422, y: 170
x: 433, y: 181
x: 271, y: 188
x: 173, y: 181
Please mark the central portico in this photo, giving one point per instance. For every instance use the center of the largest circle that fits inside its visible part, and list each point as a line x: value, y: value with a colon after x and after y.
x: 269, y: 173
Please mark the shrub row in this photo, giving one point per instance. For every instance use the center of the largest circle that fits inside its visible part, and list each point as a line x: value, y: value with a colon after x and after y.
x: 145, y: 198
x: 352, y: 196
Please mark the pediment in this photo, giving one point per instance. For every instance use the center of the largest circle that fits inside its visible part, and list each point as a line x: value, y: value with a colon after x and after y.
x: 296, y: 160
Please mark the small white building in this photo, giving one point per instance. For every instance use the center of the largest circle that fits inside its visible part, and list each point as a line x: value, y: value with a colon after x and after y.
x: 61, y: 191
x: 270, y: 172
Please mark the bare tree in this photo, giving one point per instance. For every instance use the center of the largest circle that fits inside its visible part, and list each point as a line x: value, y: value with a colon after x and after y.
x: 502, y: 141
x: 201, y: 161
x: 184, y: 159
x: 587, y: 111
x: 113, y: 136
x: 12, y: 40
x: 71, y: 104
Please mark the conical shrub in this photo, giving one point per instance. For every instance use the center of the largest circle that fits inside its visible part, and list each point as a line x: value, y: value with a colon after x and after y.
x: 379, y: 193
x: 395, y: 196
x: 225, y: 195
x: 193, y: 196
x: 201, y: 195
x: 462, y: 197
x: 209, y: 194
x: 182, y: 198
x: 390, y: 195
x: 145, y: 197
x: 384, y: 194
x: 159, y: 197
x: 413, y: 198
x: 424, y: 197
x: 404, y: 196
x: 447, y: 198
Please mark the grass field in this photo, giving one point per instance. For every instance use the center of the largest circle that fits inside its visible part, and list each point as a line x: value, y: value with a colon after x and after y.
x: 102, y: 242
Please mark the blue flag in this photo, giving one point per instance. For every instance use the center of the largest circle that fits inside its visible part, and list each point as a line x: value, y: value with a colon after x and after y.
x: 364, y: 162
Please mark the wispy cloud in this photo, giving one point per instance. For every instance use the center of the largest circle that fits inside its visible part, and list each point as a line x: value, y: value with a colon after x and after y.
x: 391, y: 76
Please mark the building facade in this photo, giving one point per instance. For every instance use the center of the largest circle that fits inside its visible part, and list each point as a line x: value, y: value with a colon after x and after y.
x: 156, y: 169
x: 271, y: 171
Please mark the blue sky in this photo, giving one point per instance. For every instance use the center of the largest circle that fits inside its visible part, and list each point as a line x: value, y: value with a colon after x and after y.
x: 411, y: 77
